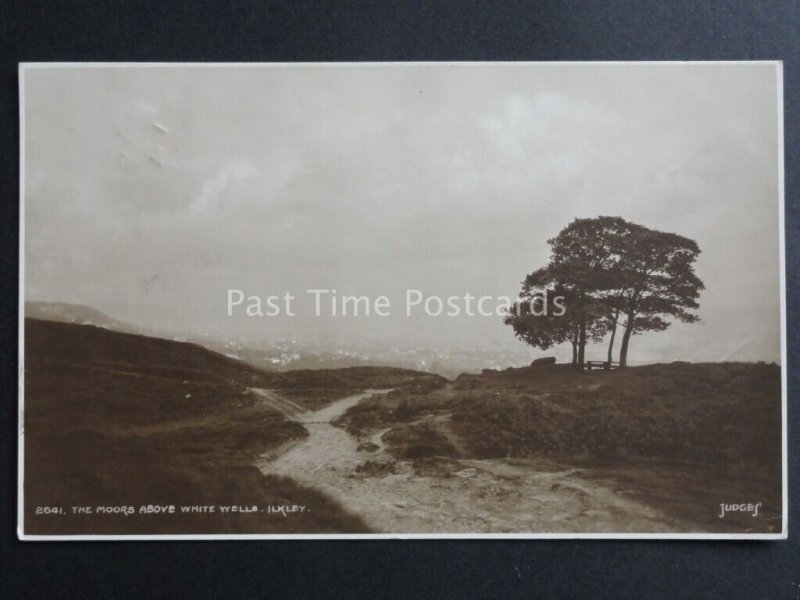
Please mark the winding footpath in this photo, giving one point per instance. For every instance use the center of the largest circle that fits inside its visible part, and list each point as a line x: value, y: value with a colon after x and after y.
x: 475, y: 496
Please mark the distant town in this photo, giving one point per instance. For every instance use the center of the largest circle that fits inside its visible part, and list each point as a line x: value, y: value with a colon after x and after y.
x: 290, y: 354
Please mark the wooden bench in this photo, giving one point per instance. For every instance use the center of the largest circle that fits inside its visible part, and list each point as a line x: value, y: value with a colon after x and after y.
x: 601, y: 364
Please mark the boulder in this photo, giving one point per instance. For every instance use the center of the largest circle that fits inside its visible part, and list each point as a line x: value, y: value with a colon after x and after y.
x: 545, y: 361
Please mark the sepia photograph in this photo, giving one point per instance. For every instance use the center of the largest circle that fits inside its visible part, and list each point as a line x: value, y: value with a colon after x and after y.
x: 414, y: 300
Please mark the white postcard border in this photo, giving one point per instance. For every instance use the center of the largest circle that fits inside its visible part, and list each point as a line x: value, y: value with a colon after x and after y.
x: 395, y: 536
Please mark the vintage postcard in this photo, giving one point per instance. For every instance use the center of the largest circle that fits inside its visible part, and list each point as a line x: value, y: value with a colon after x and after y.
x: 402, y: 300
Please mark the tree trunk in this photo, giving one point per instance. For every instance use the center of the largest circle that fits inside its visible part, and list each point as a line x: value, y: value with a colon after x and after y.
x: 626, y: 337
x: 613, y: 335
x: 574, y: 353
x: 582, y: 347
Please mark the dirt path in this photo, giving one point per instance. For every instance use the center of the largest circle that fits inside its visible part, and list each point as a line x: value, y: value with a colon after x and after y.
x: 465, y: 496
x: 272, y: 400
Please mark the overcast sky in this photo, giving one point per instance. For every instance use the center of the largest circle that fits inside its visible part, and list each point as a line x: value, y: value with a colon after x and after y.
x: 151, y: 191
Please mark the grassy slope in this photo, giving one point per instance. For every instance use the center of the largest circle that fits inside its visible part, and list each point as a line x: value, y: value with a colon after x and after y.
x: 683, y: 437
x: 122, y: 419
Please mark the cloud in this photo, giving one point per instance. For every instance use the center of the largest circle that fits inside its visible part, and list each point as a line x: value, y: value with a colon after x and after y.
x: 213, y: 189
x: 544, y: 122
x: 351, y: 177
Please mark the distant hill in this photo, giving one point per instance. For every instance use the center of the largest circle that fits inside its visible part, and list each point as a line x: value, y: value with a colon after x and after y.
x: 66, y: 312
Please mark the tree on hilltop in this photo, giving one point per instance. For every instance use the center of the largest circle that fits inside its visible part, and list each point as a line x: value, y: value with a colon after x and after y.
x: 609, y: 273
x: 659, y: 284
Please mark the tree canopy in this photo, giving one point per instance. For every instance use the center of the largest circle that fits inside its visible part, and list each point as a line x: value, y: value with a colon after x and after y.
x: 609, y: 273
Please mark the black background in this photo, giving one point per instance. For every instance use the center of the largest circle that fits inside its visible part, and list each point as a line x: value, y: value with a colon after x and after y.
x: 207, y: 30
